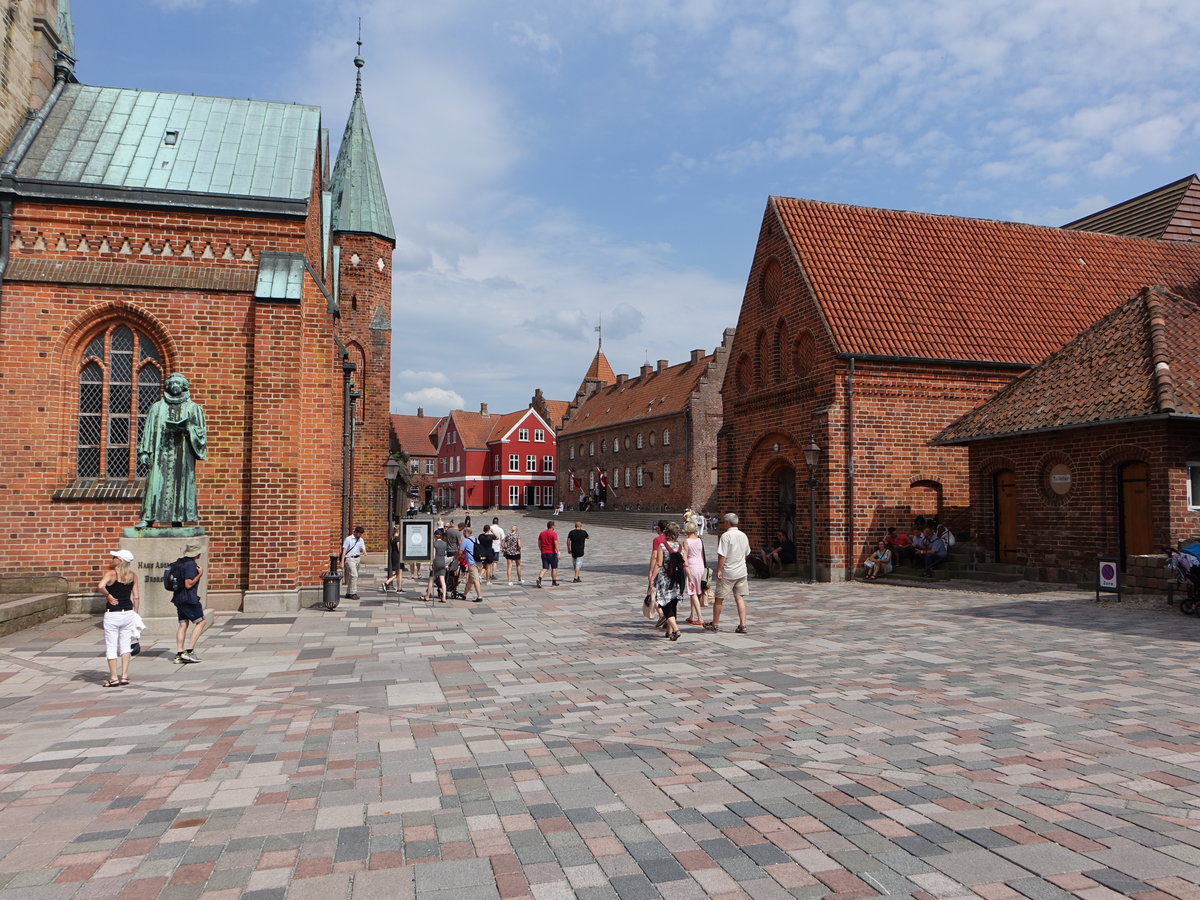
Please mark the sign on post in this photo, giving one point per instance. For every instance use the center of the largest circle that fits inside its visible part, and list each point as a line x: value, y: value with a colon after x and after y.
x: 1108, y: 576
x: 416, y: 540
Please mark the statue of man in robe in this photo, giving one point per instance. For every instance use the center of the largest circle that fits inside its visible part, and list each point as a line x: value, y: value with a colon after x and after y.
x: 173, y: 438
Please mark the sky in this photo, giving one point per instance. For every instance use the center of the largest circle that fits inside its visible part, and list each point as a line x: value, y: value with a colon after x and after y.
x: 555, y: 165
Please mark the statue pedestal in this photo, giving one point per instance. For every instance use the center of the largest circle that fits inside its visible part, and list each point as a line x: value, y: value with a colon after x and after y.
x: 153, y: 550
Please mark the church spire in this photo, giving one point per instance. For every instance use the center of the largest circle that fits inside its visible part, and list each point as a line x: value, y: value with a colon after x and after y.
x: 359, y: 200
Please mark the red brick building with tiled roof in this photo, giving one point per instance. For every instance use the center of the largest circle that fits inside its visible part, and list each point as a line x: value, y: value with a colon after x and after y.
x: 652, y: 438
x: 1095, y: 451
x: 418, y: 437
x: 870, y: 330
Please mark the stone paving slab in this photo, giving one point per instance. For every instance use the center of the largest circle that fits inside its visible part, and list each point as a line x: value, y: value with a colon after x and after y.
x: 860, y: 740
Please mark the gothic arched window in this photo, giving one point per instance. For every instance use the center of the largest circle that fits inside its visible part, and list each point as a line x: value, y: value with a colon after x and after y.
x: 120, y: 377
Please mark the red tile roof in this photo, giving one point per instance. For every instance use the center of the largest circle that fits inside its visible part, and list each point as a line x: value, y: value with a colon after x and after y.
x: 654, y: 394
x: 557, y: 411
x: 905, y: 284
x: 1142, y: 359
x: 501, y: 425
x: 415, y: 434
x: 600, y: 370
x: 473, y: 428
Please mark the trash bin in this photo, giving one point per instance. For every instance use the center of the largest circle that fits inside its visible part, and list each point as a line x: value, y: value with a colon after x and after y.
x: 331, y: 585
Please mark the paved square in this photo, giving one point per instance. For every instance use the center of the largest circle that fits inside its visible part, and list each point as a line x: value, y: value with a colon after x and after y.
x: 860, y: 740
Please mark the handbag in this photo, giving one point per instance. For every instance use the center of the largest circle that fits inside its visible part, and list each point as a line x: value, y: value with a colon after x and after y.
x: 646, y: 608
x: 135, y: 648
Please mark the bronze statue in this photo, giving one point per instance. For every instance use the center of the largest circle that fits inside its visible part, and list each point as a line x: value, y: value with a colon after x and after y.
x: 172, y: 439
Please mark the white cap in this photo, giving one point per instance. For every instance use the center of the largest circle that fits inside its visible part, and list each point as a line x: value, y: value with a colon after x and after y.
x: 122, y: 555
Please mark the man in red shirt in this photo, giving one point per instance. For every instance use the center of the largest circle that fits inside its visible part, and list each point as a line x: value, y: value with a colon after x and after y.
x: 548, y: 547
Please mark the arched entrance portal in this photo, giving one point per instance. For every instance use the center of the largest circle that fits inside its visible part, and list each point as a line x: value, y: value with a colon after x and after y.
x: 1137, y: 539
x: 785, y: 484
x: 1005, y: 494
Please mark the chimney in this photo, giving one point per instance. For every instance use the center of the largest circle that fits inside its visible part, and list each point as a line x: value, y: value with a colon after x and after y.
x: 697, y: 355
x: 420, y: 412
x: 662, y: 364
x: 622, y: 378
x: 538, y: 394
x: 646, y: 370
x: 483, y: 409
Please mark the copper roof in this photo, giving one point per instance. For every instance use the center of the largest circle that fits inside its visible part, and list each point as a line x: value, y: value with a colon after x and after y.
x: 1142, y: 359
x: 660, y: 392
x: 904, y: 284
x: 415, y: 434
x: 1171, y: 211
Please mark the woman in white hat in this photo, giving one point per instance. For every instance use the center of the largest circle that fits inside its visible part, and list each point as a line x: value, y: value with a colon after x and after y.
x: 122, y: 603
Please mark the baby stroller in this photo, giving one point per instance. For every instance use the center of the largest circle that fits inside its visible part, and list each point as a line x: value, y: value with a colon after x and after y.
x: 453, y: 573
x: 1185, y: 565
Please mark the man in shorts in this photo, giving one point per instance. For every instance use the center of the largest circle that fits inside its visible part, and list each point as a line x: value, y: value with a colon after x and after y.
x: 548, y: 547
x: 576, y: 538
x: 188, y: 606
x: 475, y: 565
x: 732, y: 581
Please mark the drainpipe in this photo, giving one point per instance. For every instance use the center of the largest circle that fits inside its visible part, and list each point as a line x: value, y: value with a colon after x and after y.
x: 6, y: 213
x: 852, y: 553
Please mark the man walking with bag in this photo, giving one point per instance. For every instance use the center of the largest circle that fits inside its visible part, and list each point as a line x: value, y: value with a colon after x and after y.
x: 353, y: 548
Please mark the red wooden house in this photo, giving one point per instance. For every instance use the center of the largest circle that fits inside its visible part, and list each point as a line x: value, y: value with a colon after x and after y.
x: 503, y: 461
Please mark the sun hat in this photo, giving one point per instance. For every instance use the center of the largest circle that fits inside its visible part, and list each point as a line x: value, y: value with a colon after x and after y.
x: 193, y: 550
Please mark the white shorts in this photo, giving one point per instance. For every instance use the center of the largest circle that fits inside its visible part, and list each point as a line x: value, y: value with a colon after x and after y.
x: 118, y: 632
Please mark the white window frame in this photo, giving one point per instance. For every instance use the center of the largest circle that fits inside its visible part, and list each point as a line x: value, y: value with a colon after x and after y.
x: 591, y: 448
x: 522, y: 434
x: 1193, y: 482
x: 666, y: 475
x: 641, y: 476
x: 514, y: 462
x: 547, y: 463
x: 548, y: 495
x: 531, y: 462
x: 627, y: 471
x: 514, y: 495
x: 429, y: 467
x: 539, y: 434
x: 571, y: 452
x: 666, y: 437
x: 639, y: 440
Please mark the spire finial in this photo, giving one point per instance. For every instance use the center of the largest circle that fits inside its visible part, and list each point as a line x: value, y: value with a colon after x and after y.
x: 599, y: 334
x: 359, y: 62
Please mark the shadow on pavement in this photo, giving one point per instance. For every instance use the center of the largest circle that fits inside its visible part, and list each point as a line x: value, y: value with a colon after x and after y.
x: 1108, y: 617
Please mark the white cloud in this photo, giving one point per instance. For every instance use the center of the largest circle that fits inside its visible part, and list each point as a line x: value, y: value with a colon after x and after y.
x: 435, y: 401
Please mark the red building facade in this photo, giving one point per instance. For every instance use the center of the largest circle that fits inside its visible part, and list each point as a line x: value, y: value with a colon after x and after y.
x: 506, y: 462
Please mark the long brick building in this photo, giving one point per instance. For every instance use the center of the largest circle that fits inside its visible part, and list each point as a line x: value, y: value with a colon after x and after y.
x: 868, y: 331
x: 144, y: 233
x: 647, y: 442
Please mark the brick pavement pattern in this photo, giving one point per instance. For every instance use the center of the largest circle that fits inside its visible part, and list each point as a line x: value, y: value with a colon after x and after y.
x: 858, y: 741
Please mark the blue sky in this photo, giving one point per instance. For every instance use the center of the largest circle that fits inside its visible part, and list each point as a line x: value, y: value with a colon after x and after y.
x: 551, y: 164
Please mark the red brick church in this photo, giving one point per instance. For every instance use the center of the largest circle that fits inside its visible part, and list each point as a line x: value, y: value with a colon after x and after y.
x: 144, y: 233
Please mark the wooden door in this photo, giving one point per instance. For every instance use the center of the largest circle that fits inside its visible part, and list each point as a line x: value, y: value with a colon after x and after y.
x: 1137, y: 537
x: 1006, y: 516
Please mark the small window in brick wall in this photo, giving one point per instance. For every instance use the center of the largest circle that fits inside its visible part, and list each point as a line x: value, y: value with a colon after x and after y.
x: 666, y: 474
x: 1193, y: 472
x: 666, y: 437
x: 120, y: 377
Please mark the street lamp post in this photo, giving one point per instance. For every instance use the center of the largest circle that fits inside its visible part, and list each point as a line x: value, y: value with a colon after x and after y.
x: 391, y: 470
x: 812, y: 456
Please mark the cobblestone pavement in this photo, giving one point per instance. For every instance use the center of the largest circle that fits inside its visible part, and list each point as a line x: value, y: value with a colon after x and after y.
x: 860, y: 740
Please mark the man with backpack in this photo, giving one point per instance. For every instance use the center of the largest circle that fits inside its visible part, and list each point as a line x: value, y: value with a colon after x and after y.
x: 472, y: 551
x: 181, y: 579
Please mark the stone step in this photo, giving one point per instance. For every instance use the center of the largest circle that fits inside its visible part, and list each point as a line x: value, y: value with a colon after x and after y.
x: 21, y: 611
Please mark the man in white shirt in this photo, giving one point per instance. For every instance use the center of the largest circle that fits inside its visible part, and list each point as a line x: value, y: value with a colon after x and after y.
x: 499, y: 535
x: 353, y: 547
x: 731, y: 575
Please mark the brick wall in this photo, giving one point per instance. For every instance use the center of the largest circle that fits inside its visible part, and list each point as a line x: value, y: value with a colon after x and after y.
x: 786, y: 384
x: 266, y: 373
x: 1061, y: 535
x: 365, y: 294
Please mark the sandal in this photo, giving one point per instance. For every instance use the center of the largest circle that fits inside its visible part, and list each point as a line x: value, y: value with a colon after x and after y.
x: 111, y: 684
x: 674, y: 635
x: 123, y: 682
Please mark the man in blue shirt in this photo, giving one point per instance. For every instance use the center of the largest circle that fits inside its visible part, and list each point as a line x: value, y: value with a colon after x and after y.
x: 471, y: 549
x: 188, y: 606
x: 931, y: 550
